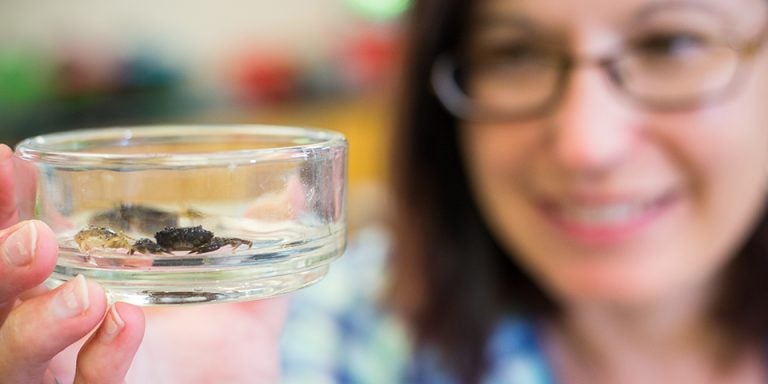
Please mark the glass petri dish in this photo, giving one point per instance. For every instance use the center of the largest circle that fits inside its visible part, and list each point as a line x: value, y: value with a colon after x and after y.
x: 164, y: 215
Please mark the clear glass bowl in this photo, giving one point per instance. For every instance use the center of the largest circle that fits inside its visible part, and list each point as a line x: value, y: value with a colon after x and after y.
x: 189, y: 214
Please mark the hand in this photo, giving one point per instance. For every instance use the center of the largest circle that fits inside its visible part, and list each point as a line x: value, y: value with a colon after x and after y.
x: 36, y: 324
x: 69, y: 334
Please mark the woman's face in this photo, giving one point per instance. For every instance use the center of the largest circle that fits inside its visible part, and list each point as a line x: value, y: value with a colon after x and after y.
x: 603, y: 199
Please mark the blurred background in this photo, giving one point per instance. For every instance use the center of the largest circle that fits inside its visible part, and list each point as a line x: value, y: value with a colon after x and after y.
x: 320, y: 63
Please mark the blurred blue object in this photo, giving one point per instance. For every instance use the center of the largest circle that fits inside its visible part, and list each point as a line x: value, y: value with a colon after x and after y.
x: 146, y: 72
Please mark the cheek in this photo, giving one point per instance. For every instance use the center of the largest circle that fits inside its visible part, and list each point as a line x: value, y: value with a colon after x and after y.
x: 495, y: 154
x: 724, y: 152
x: 498, y: 158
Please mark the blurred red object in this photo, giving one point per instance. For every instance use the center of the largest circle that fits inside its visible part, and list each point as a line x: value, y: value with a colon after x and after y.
x: 368, y: 59
x: 265, y: 78
x: 85, y: 70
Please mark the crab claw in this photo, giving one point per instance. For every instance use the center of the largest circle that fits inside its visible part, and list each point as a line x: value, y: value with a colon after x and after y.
x: 218, y: 242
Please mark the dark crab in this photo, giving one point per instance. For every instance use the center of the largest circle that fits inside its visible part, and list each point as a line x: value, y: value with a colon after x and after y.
x: 193, y: 239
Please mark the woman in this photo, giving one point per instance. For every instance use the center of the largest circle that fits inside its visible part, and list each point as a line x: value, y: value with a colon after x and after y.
x: 596, y: 169
x: 580, y: 192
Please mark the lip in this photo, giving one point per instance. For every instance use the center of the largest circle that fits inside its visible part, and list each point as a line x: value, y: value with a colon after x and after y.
x: 602, y: 220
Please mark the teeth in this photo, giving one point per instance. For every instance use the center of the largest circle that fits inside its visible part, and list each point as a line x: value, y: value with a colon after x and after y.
x: 602, y: 215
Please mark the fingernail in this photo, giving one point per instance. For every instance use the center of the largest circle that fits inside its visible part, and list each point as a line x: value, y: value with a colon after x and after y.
x: 113, y: 323
x: 71, y: 299
x: 19, y: 247
x: 5, y: 152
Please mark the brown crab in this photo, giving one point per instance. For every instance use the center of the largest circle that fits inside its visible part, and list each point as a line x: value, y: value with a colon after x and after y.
x: 101, y: 237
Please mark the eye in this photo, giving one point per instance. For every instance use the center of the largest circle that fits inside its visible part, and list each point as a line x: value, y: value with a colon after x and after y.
x: 673, y: 45
x: 512, y: 51
x: 512, y: 55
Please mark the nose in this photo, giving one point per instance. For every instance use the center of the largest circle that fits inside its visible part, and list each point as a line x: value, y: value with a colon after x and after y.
x: 592, y: 128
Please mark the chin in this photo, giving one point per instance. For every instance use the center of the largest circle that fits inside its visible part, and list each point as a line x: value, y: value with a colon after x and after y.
x: 623, y: 287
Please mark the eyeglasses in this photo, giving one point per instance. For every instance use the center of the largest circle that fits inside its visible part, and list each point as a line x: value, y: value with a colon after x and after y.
x: 527, y: 80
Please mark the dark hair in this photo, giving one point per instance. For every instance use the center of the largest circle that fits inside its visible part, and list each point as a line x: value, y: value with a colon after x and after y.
x: 451, y: 279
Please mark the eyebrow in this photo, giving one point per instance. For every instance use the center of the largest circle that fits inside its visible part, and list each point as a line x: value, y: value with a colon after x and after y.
x: 488, y: 20
x: 654, y: 8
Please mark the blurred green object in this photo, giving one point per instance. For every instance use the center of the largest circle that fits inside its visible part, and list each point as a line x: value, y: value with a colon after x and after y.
x: 42, y: 93
x: 381, y: 10
x: 24, y: 79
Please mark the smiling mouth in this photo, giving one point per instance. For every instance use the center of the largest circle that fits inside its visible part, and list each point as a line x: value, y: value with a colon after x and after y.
x: 606, y: 220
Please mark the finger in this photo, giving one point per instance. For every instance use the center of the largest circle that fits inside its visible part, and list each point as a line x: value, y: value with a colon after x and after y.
x: 39, y: 328
x: 108, y: 354
x: 8, y: 209
x: 33, y: 292
x: 28, y: 252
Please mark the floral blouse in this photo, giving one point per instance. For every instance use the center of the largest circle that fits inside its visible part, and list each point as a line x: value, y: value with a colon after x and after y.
x: 336, y: 332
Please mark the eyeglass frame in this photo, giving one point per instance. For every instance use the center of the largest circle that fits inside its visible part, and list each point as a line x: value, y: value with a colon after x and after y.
x: 445, y: 85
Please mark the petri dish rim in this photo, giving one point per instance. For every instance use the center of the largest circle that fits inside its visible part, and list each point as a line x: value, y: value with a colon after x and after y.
x: 66, y: 148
